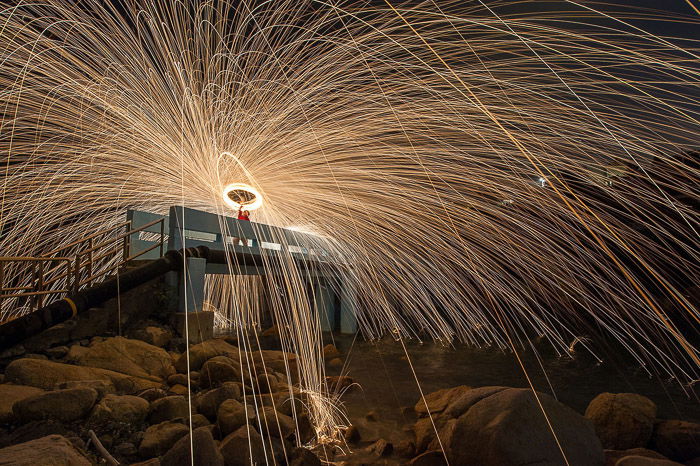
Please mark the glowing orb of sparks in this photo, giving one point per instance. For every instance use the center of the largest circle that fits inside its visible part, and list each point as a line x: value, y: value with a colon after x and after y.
x: 241, y: 195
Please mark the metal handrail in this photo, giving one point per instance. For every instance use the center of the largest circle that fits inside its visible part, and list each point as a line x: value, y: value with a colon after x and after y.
x: 39, y: 290
x: 76, y: 266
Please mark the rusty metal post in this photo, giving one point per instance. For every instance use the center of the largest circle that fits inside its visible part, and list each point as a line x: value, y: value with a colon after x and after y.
x: 162, y: 235
x: 40, y: 286
x: 76, y: 273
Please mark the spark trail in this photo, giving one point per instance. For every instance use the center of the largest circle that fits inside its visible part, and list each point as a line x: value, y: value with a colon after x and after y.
x: 488, y: 173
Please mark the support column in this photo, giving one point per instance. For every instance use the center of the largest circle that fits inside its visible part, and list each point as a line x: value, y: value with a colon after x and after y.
x: 199, y: 325
x: 323, y: 299
x: 348, y: 309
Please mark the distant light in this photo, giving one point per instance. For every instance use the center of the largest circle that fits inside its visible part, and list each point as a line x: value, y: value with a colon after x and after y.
x: 542, y: 181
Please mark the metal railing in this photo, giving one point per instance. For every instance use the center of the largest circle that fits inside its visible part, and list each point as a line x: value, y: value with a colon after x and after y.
x: 86, y: 262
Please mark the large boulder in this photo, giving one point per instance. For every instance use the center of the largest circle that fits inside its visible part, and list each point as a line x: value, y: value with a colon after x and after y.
x: 218, y: 370
x: 208, y: 402
x: 168, y: 408
x: 278, y: 361
x: 437, y: 401
x: 645, y: 461
x: 132, y: 357
x: 622, y: 420
x: 9, y: 394
x: 276, y: 424
x: 613, y: 456
x: 243, y: 447
x: 52, y: 450
x: 153, y: 335
x: 459, y: 402
x: 677, y: 440
x: 48, y: 374
x: 203, y: 450
x: 201, y: 352
x: 127, y: 409
x: 509, y: 428
x: 62, y: 405
x: 232, y: 414
x: 159, y: 438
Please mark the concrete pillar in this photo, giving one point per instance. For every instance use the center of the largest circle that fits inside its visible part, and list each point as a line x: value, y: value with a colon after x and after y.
x: 192, y: 285
x: 348, y: 307
x: 323, y: 299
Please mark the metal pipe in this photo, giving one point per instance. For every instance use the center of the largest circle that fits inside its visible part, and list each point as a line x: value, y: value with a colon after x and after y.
x: 17, y: 330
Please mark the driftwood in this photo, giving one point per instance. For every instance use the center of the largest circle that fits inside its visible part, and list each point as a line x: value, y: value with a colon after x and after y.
x: 102, y: 450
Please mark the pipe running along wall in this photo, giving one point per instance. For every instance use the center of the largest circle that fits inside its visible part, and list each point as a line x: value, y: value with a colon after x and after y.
x: 17, y: 330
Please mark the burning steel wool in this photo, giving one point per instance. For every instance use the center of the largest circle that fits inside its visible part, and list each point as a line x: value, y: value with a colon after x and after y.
x: 488, y: 174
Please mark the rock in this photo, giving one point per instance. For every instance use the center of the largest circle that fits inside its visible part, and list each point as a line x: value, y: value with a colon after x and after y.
x: 424, y: 431
x: 127, y: 409
x: 677, y: 440
x: 131, y: 357
x: 9, y: 394
x: 338, y: 383
x: 62, y: 405
x: 612, y: 456
x: 57, y: 352
x: 445, y: 435
x: 335, y: 363
x: 53, y: 450
x: 352, y: 434
x: 232, y: 414
x: 156, y: 336
x: 509, y: 428
x: 101, y: 387
x: 125, y: 449
x: 208, y: 402
x: 35, y: 356
x: 380, y: 448
x: 13, y: 352
x: 218, y: 370
x: 459, y: 401
x: 405, y: 449
x: 371, y: 416
x: 278, y: 361
x: 267, y: 383
x: 199, y: 420
x: 179, y: 390
x: 37, y: 429
x: 438, y: 401
x: 243, y: 447
x: 151, y: 462
x: 177, y: 379
x: 645, y: 461
x: 276, y: 424
x: 203, y: 446
x: 304, y: 457
x: 204, y: 351
x: 153, y: 394
x: 159, y: 438
x: 48, y: 374
x: 330, y: 352
x: 168, y: 408
x: 622, y: 420
x: 429, y: 458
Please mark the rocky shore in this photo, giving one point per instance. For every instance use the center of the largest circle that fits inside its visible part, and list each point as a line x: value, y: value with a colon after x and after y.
x: 69, y: 399
x: 132, y: 393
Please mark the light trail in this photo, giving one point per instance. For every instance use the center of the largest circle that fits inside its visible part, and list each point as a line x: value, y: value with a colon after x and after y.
x: 409, y: 137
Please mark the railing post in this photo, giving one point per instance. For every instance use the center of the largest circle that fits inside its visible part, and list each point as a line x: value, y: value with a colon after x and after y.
x: 127, y: 245
x: 162, y: 235
x: 76, y: 273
